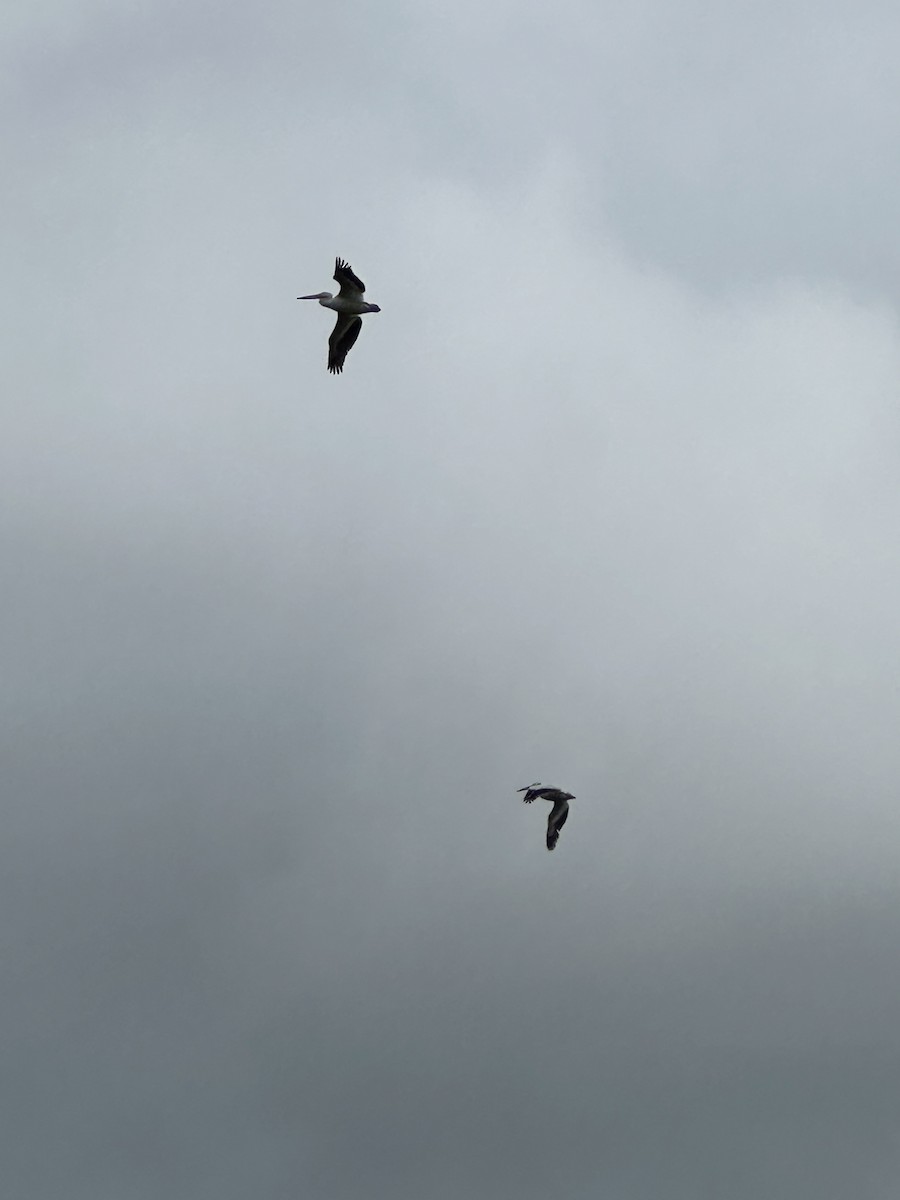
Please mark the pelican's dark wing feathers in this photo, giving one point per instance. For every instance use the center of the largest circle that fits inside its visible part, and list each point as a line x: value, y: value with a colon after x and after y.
x: 559, y: 814
x: 343, y: 337
x: 343, y: 274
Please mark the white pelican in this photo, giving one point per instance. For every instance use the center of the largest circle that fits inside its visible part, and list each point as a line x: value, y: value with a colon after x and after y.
x: 348, y: 304
x: 559, y: 813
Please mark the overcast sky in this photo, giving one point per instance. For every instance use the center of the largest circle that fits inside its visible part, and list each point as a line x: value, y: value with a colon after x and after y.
x: 608, y: 496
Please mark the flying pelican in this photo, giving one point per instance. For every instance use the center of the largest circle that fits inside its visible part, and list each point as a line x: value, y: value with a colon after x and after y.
x: 559, y: 813
x: 348, y: 304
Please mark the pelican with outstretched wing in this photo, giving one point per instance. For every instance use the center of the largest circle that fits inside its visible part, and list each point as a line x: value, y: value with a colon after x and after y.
x: 348, y: 304
x: 559, y: 813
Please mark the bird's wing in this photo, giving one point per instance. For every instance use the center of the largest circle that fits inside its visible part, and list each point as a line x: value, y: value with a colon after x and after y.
x: 352, y: 287
x: 343, y: 336
x: 559, y: 814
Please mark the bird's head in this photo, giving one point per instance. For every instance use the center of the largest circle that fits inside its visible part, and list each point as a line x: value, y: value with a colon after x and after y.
x: 372, y: 308
x: 317, y: 296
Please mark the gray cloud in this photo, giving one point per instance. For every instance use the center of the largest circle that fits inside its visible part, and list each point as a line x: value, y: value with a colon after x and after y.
x: 608, y: 501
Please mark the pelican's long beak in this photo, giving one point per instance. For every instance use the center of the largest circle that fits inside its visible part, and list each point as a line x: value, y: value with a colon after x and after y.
x: 316, y: 297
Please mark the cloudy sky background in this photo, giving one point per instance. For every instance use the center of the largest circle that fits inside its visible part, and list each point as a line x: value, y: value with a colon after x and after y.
x: 607, y: 497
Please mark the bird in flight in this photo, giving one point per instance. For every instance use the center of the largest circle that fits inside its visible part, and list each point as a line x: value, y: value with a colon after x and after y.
x: 559, y: 813
x: 348, y: 304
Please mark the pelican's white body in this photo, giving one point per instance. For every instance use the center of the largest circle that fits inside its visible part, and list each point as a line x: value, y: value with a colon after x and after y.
x: 344, y: 304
